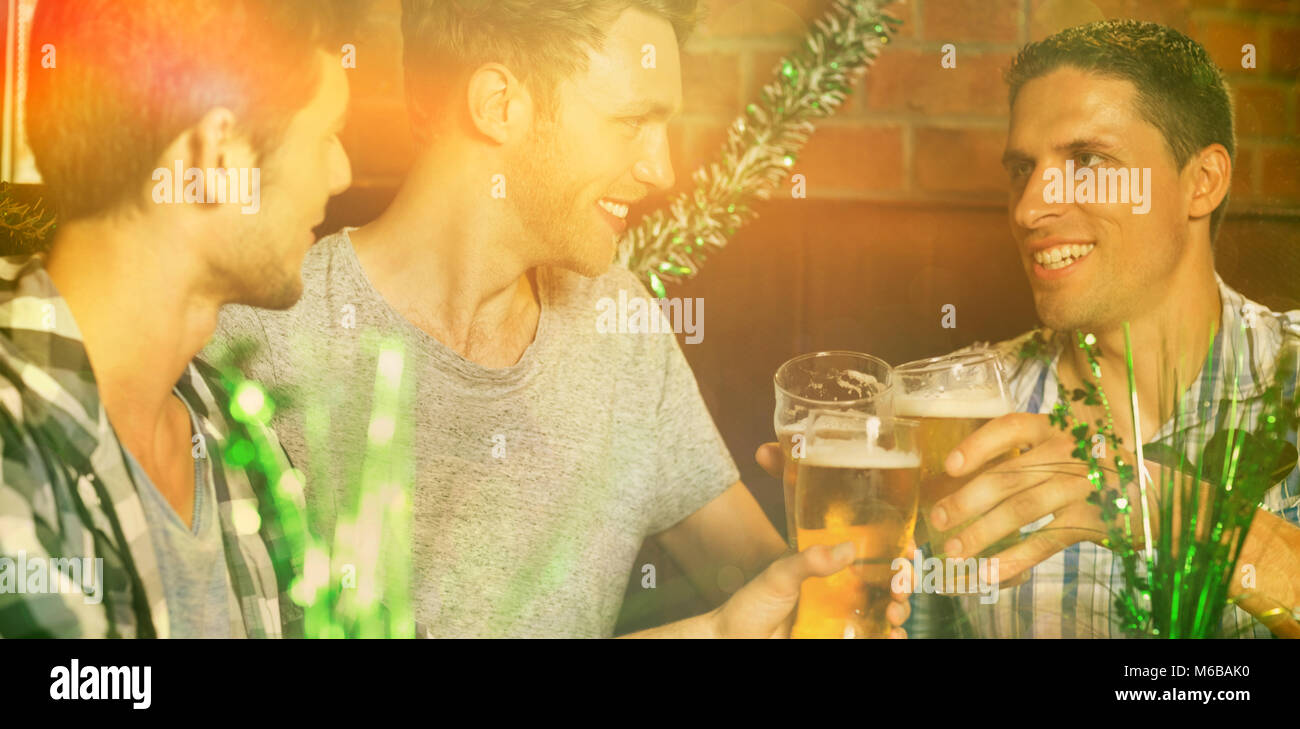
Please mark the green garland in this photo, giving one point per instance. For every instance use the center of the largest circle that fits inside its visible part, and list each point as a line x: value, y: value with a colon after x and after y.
x: 1178, y: 589
x: 24, y: 227
x: 761, y: 147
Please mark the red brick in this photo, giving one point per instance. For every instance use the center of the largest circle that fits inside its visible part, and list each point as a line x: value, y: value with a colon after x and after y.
x: 1243, y: 174
x: 1047, y: 17
x: 1261, y: 110
x: 710, y: 82
x: 1173, y: 13
x: 763, y: 70
x: 959, y: 160
x: 759, y: 18
x: 972, y: 20
x: 1224, y: 38
x: 1284, y: 52
x: 1281, y: 168
x: 856, y: 159
x: 916, y: 81
x: 793, y: 18
x: 906, y: 12
x: 1269, y: 6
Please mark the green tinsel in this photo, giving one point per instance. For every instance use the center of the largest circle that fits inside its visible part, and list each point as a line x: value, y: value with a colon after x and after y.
x: 762, y: 145
x: 24, y: 227
x: 1178, y: 590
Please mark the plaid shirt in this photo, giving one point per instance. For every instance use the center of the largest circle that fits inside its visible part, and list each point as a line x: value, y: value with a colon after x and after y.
x: 1071, y: 594
x: 66, y: 492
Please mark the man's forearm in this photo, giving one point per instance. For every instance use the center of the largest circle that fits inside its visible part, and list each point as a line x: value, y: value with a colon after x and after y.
x: 723, y: 545
x: 1267, y: 583
x: 700, y: 626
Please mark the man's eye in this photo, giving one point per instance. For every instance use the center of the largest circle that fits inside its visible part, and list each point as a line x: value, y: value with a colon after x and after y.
x: 1019, y: 170
x: 635, y: 122
x: 1090, y: 159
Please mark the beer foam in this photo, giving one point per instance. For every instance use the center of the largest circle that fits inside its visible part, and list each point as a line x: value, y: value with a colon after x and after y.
x: 961, y: 406
x: 857, y: 454
x: 791, y: 428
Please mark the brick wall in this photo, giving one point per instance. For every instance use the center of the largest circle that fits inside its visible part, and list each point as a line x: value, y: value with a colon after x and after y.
x: 906, y: 123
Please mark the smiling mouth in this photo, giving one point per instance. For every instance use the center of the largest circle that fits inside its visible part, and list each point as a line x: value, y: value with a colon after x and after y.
x: 617, y: 209
x: 1059, y: 257
x: 615, y: 213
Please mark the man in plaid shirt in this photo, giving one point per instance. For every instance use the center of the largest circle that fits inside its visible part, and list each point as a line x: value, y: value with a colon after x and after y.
x: 1121, y: 97
x: 1116, y: 97
x: 120, y: 514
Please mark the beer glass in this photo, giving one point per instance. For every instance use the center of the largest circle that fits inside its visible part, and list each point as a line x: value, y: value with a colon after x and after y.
x: 951, y: 397
x: 847, y: 381
x: 858, y: 482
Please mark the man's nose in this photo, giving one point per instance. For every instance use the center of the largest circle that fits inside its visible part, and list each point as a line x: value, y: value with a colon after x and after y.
x: 656, y: 166
x: 1032, y: 208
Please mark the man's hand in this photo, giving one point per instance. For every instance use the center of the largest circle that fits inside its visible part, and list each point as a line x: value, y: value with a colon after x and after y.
x: 769, y: 456
x: 764, y: 608
x: 1045, y: 479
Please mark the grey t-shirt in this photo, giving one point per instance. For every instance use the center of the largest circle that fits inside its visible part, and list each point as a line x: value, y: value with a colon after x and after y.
x: 201, y: 602
x: 534, y: 484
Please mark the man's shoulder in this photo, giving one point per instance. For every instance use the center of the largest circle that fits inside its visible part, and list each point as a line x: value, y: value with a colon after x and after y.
x: 23, y: 288
x: 43, y: 367
x: 324, y: 256
x: 240, y: 322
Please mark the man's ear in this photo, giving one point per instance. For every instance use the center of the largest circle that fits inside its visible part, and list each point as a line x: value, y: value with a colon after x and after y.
x: 212, y: 143
x: 1211, y: 171
x: 500, y: 108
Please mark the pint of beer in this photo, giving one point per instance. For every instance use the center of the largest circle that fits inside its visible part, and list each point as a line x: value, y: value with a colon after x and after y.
x: 952, y: 397
x: 857, y: 483
x: 840, y: 381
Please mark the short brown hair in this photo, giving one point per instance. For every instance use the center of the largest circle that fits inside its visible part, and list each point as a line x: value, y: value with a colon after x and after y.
x: 1179, y: 89
x: 541, y: 41
x: 130, y: 77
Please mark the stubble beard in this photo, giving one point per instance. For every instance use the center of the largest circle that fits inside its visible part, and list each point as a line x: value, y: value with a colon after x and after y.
x: 543, y: 197
x: 254, y: 274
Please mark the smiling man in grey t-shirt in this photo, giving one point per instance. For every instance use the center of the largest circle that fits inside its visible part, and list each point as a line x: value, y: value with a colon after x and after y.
x: 544, y: 451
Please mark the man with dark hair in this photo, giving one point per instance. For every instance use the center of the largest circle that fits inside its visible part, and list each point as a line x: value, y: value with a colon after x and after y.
x: 116, y: 500
x: 1112, y: 97
x: 546, y: 451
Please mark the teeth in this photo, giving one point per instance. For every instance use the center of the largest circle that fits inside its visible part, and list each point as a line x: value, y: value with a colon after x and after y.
x: 618, y: 210
x: 1062, y: 256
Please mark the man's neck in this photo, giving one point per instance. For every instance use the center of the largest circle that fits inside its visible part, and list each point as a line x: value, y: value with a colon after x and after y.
x: 143, y: 314
x: 444, y: 257
x: 1173, y: 337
